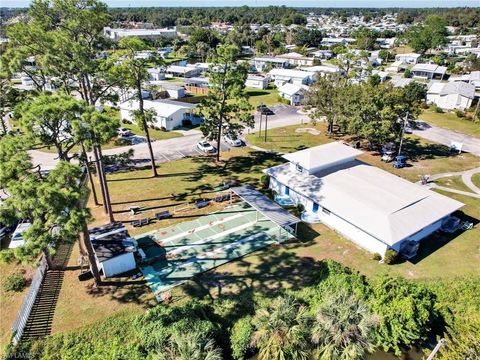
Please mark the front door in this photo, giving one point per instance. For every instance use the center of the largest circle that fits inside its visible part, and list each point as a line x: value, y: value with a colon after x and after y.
x: 315, y: 207
x: 287, y: 190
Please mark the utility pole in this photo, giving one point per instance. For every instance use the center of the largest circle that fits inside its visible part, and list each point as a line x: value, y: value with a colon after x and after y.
x: 403, y: 133
x: 260, y: 125
x: 436, y: 349
x: 266, y: 125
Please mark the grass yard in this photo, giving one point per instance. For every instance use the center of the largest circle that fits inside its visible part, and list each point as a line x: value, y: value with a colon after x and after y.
x: 452, y: 122
x: 267, y: 97
x: 476, y: 179
x: 290, y: 266
x: 454, y: 182
x: 425, y: 158
x: 154, y: 134
x: 10, y: 302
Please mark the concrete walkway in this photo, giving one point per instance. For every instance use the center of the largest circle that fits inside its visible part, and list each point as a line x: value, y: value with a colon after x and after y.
x: 466, y: 178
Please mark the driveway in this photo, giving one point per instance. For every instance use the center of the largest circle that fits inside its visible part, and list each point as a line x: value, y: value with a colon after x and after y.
x: 445, y: 137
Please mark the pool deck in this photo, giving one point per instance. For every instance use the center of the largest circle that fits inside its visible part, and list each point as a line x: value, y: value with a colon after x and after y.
x: 177, y: 253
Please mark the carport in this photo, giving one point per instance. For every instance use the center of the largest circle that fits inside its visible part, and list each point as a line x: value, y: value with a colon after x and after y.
x: 274, y: 212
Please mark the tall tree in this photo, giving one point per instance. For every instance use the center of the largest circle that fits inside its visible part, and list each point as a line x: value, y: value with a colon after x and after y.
x: 51, y: 204
x: 431, y: 35
x: 49, y: 118
x: 281, y: 330
x: 226, y: 107
x: 8, y: 99
x: 63, y: 38
x: 133, y: 69
x: 343, y: 328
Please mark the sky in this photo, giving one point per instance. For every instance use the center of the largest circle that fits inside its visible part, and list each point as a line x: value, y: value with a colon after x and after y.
x: 291, y: 3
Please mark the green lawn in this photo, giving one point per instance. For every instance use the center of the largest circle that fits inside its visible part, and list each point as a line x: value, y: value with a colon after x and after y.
x: 154, y: 134
x: 454, y: 182
x: 267, y: 97
x: 292, y: 265
x: 451, y: 121
x: 476, y: 179
x: 425, y: 158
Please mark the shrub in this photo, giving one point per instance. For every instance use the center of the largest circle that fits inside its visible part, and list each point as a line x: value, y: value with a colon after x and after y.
x: 423, y: 105
x: 240, y: 338
x: 437, y: 109
x: 407, y: 73
x: 377, y: 257
x: 7, y: 256
x: 391, y: 257
x: 15, y: 282
x: 265, y: 181
x: 460, y: 113
x: 406, y: 309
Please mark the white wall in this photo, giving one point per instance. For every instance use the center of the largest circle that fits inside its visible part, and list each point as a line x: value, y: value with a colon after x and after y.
x: 119, y: 264
x: 450, y: 102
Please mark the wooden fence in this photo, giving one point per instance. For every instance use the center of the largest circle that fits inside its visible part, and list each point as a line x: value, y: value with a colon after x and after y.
x: 24, y: 312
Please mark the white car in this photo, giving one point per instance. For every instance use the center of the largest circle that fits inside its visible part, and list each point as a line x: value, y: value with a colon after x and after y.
x: 17, y: 237
x: 204, y: 146
x: 124, y: 132
x: 231, y: 141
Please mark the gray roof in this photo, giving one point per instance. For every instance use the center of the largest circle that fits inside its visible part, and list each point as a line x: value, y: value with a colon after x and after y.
x: 381, y: 204
x: 459, y: 87
x: 267, y: 207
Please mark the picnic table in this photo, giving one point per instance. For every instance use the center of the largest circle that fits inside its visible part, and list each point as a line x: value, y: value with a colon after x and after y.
x: 140, y: 222
x: 163, y: 215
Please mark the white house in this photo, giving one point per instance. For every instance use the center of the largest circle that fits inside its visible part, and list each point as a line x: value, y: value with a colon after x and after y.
x: 369, y: 206
x: 322, y: 54
x: 295, y: 94
x: 297, y: 77
x: 408, y: 58
x: 170, y: 114
x: 473, y: 78
x: 156, y: 74
x: 428, y: 71
x: 259, y: 63
x: 395, y: 67
x: 257, y: 81
x: 183, y: 71
x: 117, y: 34
x: 324, y: 69
x: 451, y: 95
x: 296, y: 59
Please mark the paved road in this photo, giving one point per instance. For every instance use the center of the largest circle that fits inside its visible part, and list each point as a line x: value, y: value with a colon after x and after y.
x: 445, y: 137
x: 177, y: 148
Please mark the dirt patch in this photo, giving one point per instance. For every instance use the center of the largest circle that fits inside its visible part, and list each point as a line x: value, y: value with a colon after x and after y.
x: 311, y: 131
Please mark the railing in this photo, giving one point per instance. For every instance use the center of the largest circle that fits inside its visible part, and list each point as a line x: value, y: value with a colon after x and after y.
x: 24, y: 312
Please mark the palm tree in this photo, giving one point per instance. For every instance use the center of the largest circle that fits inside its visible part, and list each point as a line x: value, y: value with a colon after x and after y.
x: 281, y: 330
x: 343, y: 328
x: 190, y: 346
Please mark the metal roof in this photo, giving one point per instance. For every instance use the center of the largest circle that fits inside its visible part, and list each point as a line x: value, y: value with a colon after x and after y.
x: 267, y: 207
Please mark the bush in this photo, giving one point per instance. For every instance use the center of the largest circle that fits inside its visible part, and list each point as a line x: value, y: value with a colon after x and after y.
x: 7, y: 256
x: 459, y: 113
x: 240, y: 338
x: 391, y: 257
x: 15, y: 282
x: 377, y: 257
x: 265, y: 181
x: 437, y: 109
x: 423, y: 105
x: 407, y: 73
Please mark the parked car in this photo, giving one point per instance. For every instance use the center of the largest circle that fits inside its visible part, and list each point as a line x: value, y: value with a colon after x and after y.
x: 204, y: 146
x: 17, y: 237
x: 408, y: 129
x: 265, y: 110
x: 124, y: 132
x: 232, y: 141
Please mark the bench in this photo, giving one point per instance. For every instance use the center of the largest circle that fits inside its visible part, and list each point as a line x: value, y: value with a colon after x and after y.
x: 163, y: 215
x: 221, y: 198
x: 201, y: 204
x: 141, y: 222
